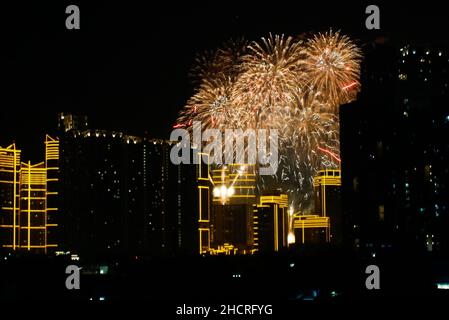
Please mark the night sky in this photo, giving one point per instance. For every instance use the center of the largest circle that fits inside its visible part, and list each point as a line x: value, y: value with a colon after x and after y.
x: 127, y: 68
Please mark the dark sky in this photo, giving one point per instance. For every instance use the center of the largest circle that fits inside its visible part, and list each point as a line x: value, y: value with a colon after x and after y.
x: 127, y: 68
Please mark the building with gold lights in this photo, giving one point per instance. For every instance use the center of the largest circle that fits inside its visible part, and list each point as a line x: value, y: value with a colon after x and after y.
x: 28, y: 200
x: 226, y: 196
x: 9, y: 197
x: 271, y: 223
x: 325, y: 225
x: 327, y: 184
x: 232, y: 206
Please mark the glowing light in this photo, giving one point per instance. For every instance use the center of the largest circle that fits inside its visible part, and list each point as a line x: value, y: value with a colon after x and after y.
x: 223, y: 191
x: 291, y: 238
x: 349, y: 85
x: 333, y: 155
x: 443, y: 286
x: 230, y: 192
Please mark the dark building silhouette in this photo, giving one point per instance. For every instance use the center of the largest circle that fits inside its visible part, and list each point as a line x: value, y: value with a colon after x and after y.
x: 121, y: 195
x: 395, y: 152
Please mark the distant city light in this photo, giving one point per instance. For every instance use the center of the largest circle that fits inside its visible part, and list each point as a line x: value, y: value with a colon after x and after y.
x: 443, y: 286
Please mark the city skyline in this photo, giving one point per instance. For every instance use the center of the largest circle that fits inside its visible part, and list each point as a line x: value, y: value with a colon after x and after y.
x: 98, y: 181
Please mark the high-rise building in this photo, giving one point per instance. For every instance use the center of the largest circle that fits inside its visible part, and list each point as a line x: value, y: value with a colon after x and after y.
x: 204, y: 202
x: 52, y: 218
x: 69, y: 121
x: 311, y: 229
x: 9, y: 197
x: 327, y: 185
x: 394, y: 154
x: 33, y: 203
x: 271, y: 223
x: 28, y: 196
x: 121, y: 195
x: 232, y: 206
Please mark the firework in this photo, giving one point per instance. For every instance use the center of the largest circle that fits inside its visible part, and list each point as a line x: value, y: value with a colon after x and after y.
x: 210, y: 105
x: 286, y: 84
x: 332, y: 67
x: 307, y: 128
x: 220, y: 64
x: 270, y: 75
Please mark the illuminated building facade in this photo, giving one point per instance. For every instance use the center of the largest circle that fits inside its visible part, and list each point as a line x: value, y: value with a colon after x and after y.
x: 271, y: 223
x: 9, y: 197
x: 232, y: 207
x: 311, y: 229
x: 204, y: 202
x: 52, y: 193
x: 327, y: 184
x: 33, y: 203
x: 28, y: 197
x: 394, y: 154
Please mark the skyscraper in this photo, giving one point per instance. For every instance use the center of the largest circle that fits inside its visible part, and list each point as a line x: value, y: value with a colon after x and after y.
x: 327, y: 185
x: 232, y: 206
x: 394, y: 154
x: 204, y: 202
x: 52, y: 219
x: 29, y: 196
x: 9, y: 197
x: 271, y: 223
x: 121, y: 195
x: 33, y: 203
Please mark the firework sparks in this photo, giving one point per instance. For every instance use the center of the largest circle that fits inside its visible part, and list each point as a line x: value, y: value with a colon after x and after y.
x: 332, y: 62
x: 286, y: 84
x: 270, y: 75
